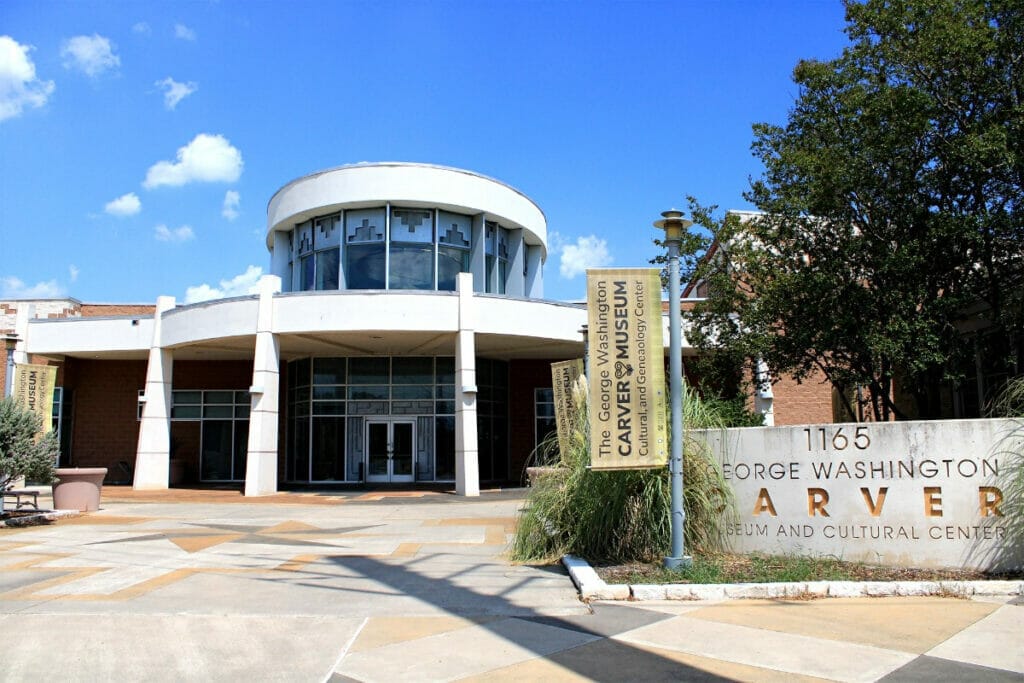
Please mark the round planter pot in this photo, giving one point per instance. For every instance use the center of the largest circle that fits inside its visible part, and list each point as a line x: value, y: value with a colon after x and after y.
x: 78, y: 488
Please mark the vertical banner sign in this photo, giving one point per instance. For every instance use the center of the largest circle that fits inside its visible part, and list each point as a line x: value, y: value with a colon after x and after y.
x: 628, y: 427
x: 563, y: 379
x: 33, y: 388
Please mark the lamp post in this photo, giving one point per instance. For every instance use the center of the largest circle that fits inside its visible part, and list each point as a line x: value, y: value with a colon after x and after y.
x: 673, y: 224
x: 10, y: 342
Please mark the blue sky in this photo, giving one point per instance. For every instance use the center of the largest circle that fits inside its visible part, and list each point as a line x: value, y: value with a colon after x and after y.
x: 140, y: 142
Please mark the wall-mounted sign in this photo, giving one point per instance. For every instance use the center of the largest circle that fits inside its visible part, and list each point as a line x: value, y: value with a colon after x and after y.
x: 628, y: 424
x: 563, y: 379
x: 921, y: 494
x: 33, y: 388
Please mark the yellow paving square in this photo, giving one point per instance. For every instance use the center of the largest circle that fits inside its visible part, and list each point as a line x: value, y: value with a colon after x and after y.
x: 906, y: 624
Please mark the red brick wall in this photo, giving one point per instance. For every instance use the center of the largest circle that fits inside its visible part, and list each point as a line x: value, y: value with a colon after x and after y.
x: 105, y: 409
x: 524, y: 377
x: 806, y: 403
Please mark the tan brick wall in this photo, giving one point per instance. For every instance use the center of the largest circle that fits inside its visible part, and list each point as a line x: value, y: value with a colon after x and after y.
x: 100, y: 310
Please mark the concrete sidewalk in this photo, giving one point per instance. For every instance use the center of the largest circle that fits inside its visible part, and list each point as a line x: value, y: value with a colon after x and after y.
x: 385, y: 586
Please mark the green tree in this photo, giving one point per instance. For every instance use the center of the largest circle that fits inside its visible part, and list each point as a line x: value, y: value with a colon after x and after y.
x: 21, y: 453
x: 894, y: 211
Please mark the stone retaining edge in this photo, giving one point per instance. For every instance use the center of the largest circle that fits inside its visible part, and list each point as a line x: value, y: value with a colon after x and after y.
x: 592, y: 587
x: 43, y: 517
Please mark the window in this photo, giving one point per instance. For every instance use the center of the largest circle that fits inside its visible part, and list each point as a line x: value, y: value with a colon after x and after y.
x: 543, y: 414
x: 364, y: 249
x: 454, y: 237
x: 61, y: 423
x: 412, y: 249
x: 224, y: 430
x: 496, y: 250
x: 328, y: 399
x: 316, y: 251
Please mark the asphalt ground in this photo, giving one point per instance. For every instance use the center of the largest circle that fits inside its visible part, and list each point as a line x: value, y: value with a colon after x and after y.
x: 415, y: 585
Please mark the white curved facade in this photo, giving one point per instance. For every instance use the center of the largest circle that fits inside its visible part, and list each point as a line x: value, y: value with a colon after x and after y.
x: 405, y: 226
x: 400, y: 338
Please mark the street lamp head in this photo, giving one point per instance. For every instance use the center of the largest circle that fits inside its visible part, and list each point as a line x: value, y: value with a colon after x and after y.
x: 673, y: 224
x: 10, y: 341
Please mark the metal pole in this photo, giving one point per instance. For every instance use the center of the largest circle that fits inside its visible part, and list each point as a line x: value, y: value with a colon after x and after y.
x: 673, y: 226
x: 584, y: 330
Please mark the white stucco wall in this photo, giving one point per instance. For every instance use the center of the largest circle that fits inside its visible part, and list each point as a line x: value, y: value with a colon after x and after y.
x: 405, y: 184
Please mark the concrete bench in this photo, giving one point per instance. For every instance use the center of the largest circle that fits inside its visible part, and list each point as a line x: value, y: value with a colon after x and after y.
x: 21, y: 498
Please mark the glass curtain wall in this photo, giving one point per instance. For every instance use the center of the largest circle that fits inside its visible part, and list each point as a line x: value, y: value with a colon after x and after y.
x: 389, y: 248
x: 330, y: 399
x: 224, y: 430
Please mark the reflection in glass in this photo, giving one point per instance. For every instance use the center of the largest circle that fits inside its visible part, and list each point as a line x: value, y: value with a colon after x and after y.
x: 364, y: 266
x: 327, y: 269
x: 412, y: 266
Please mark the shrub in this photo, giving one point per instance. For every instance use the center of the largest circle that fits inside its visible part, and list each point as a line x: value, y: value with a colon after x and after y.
x: 22, y: 453
x: 622, y: 516
x: 1009, y: 403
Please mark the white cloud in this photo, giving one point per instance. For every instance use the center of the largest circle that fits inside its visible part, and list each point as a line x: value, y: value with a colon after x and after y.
x: 125, y: 205
x: 175, y: 92
x: 231, y: 202
x: 141, y: 28
x: 208, y: 158
x: 587, y: 252
x: 73, y: 272
x: 19, y: 87
x: 183, y: 32
x: 90, y: 54
x: 240, y: 285
x: 164, y: 234
x: 12, y: 287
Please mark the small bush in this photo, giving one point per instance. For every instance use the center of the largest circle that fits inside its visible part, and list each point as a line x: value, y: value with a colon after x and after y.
x: 622, y: 516
x: 22, y: 454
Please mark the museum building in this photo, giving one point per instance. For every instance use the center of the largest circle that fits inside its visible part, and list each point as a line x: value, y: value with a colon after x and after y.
x: 401, y: 336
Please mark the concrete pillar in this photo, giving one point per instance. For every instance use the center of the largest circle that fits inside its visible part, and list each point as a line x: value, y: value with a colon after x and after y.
x: 22, y: 316
x: 516, y: 283
x: 467, y: 466
x: 261, y: 462
x: 534, y: 272
x: 478, y: 255
x: 153, y: 455
x: 281, y: 257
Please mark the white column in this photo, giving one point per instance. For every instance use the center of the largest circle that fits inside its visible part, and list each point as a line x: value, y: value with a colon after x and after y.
x: 281, y: 256
x: 478, y: 254
x: 534, y: 272
x: 261, y: 463
x: 516, y: 283
x: 467, y: 467
x: 153, y: 455
x: 22, y: 316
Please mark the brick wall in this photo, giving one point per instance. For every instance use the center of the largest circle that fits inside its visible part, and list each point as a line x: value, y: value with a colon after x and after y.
x: 806, y: 403
x: 105, y: 409
x: 524, y: 377
x: 101, y: 310
x: 105, y: 427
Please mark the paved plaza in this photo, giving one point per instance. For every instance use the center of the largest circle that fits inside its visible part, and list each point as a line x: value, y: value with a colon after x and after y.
x: 415, y: 586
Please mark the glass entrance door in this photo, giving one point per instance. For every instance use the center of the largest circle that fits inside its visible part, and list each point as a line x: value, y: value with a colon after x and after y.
x: 389, y: 450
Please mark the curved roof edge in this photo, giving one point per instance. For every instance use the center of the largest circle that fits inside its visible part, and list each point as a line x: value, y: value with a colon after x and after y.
x: 415, y: 164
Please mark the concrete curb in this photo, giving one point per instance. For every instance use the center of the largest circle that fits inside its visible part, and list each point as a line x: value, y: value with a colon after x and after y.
x: 592, y: 587
x: 43, y: 517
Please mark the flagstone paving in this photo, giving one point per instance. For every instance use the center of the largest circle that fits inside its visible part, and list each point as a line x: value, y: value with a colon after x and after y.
x: 415, y: 586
